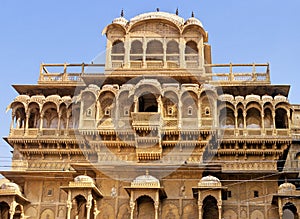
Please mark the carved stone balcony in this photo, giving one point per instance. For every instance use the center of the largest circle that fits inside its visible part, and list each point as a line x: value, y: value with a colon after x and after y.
x: 146, y: 120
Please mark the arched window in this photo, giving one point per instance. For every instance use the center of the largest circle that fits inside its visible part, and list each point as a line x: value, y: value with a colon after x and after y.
x: 253, y: 118
x: 191, y: 54
x: 145, y: 207
x: 290, y: 211
x: 148, y: 103
x: 173, y: 54
x: 281, y: 119
x: 210, y: 208
x: 154, y: 50
x: 136, y: 51
x: 268, y: 120
x: 118, y: 51
x: 191, y: 47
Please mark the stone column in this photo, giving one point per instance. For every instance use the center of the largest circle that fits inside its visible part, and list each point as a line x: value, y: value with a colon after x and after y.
x: 263, y: 123
x: 165, y: 53
x: 144, y: 64
x: 200, y: 204
x: 181, y: 53
x: 245, y: 121
x: 12, y: 121
x: 41, y: 123
x: 12, y: 209
x: 289, y: 119
x: 200, y: 55
x: 89, y: 206
x: 199, y: 114
x: 26, y: 123
x: 179, y: 114
x: 69, y: 205
x: 58, y: 124
x: 156, y: 205
x: 220, y: 211
x: 127, y: 52
x: 67, y: 123
x: 108, y: 54
x: 132, y: 204
x: 280, y: 208
x: 274, y: 122
x: 136, y: 102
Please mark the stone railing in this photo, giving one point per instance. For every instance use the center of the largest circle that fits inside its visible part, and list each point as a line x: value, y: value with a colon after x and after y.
x: 146, y: 119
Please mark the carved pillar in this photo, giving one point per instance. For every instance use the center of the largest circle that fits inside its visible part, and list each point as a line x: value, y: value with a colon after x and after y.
x: 81, y: 114
x: 127, y: 52
x: 108, y: 54
x: 274, y: 122
x: 245, y: 120
x: 136, y: 102
x: 132, y: 205
x: 89, y: 206
x: 181, y: 52
x: 200, y: 55
x: 165, y: 53
x: 67, y: 123
x: 41, y: 123
x: 12, y: 209
x: 58, y: 124
x: 26, y: 123
x: 69, y: 205
x: 144, y: 65
x: 289, y: 119
x: 12, y: 121
x: 220, y: 211
x: 280, y: 208
x: 156, y: 204
x: 199, y: 114
x: 200, y: 205
x: 263, y: 123
x: 179, y: 114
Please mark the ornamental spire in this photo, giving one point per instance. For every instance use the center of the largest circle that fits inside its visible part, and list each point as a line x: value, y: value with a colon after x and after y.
x: 122, y: 13
x: 193, y: 14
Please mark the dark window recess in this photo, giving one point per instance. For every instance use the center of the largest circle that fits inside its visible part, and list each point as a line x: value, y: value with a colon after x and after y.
x: 256, y: 194
x: 229, y: 194
x: 50, y: 192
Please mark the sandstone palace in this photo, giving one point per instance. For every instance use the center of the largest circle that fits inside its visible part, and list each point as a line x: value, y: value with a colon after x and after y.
x: 157, y: 131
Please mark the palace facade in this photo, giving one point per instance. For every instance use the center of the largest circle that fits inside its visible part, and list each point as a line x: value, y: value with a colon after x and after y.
x: 157, y: 131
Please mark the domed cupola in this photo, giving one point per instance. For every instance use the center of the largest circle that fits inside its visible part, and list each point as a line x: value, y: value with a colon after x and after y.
x: 193, y: 21
x: 146, y: 181
x: 121, y: 20
x: 11, y: 186
x: 286, y: 187
x: 209, y: 182
x: 83, y: 179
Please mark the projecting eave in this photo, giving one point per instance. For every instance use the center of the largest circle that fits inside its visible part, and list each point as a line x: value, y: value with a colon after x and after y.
x: 19, y: 177
x: 243, y: 90
x: 48, y: 89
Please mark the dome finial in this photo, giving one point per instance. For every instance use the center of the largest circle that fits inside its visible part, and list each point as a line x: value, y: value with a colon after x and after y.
x: 177, y: 12
x: 193, y: 15
x: 157, y: 9
x: 122, y: 12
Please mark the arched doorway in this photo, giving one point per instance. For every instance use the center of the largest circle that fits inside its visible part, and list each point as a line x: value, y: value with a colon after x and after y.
x: 289, y: 211
x: 210, y: 208
x: 4, y: 210
x: 145, y: 209
x: 148, y: 103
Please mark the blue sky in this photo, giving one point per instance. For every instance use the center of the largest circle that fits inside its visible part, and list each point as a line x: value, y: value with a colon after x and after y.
x: 59, y: 31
